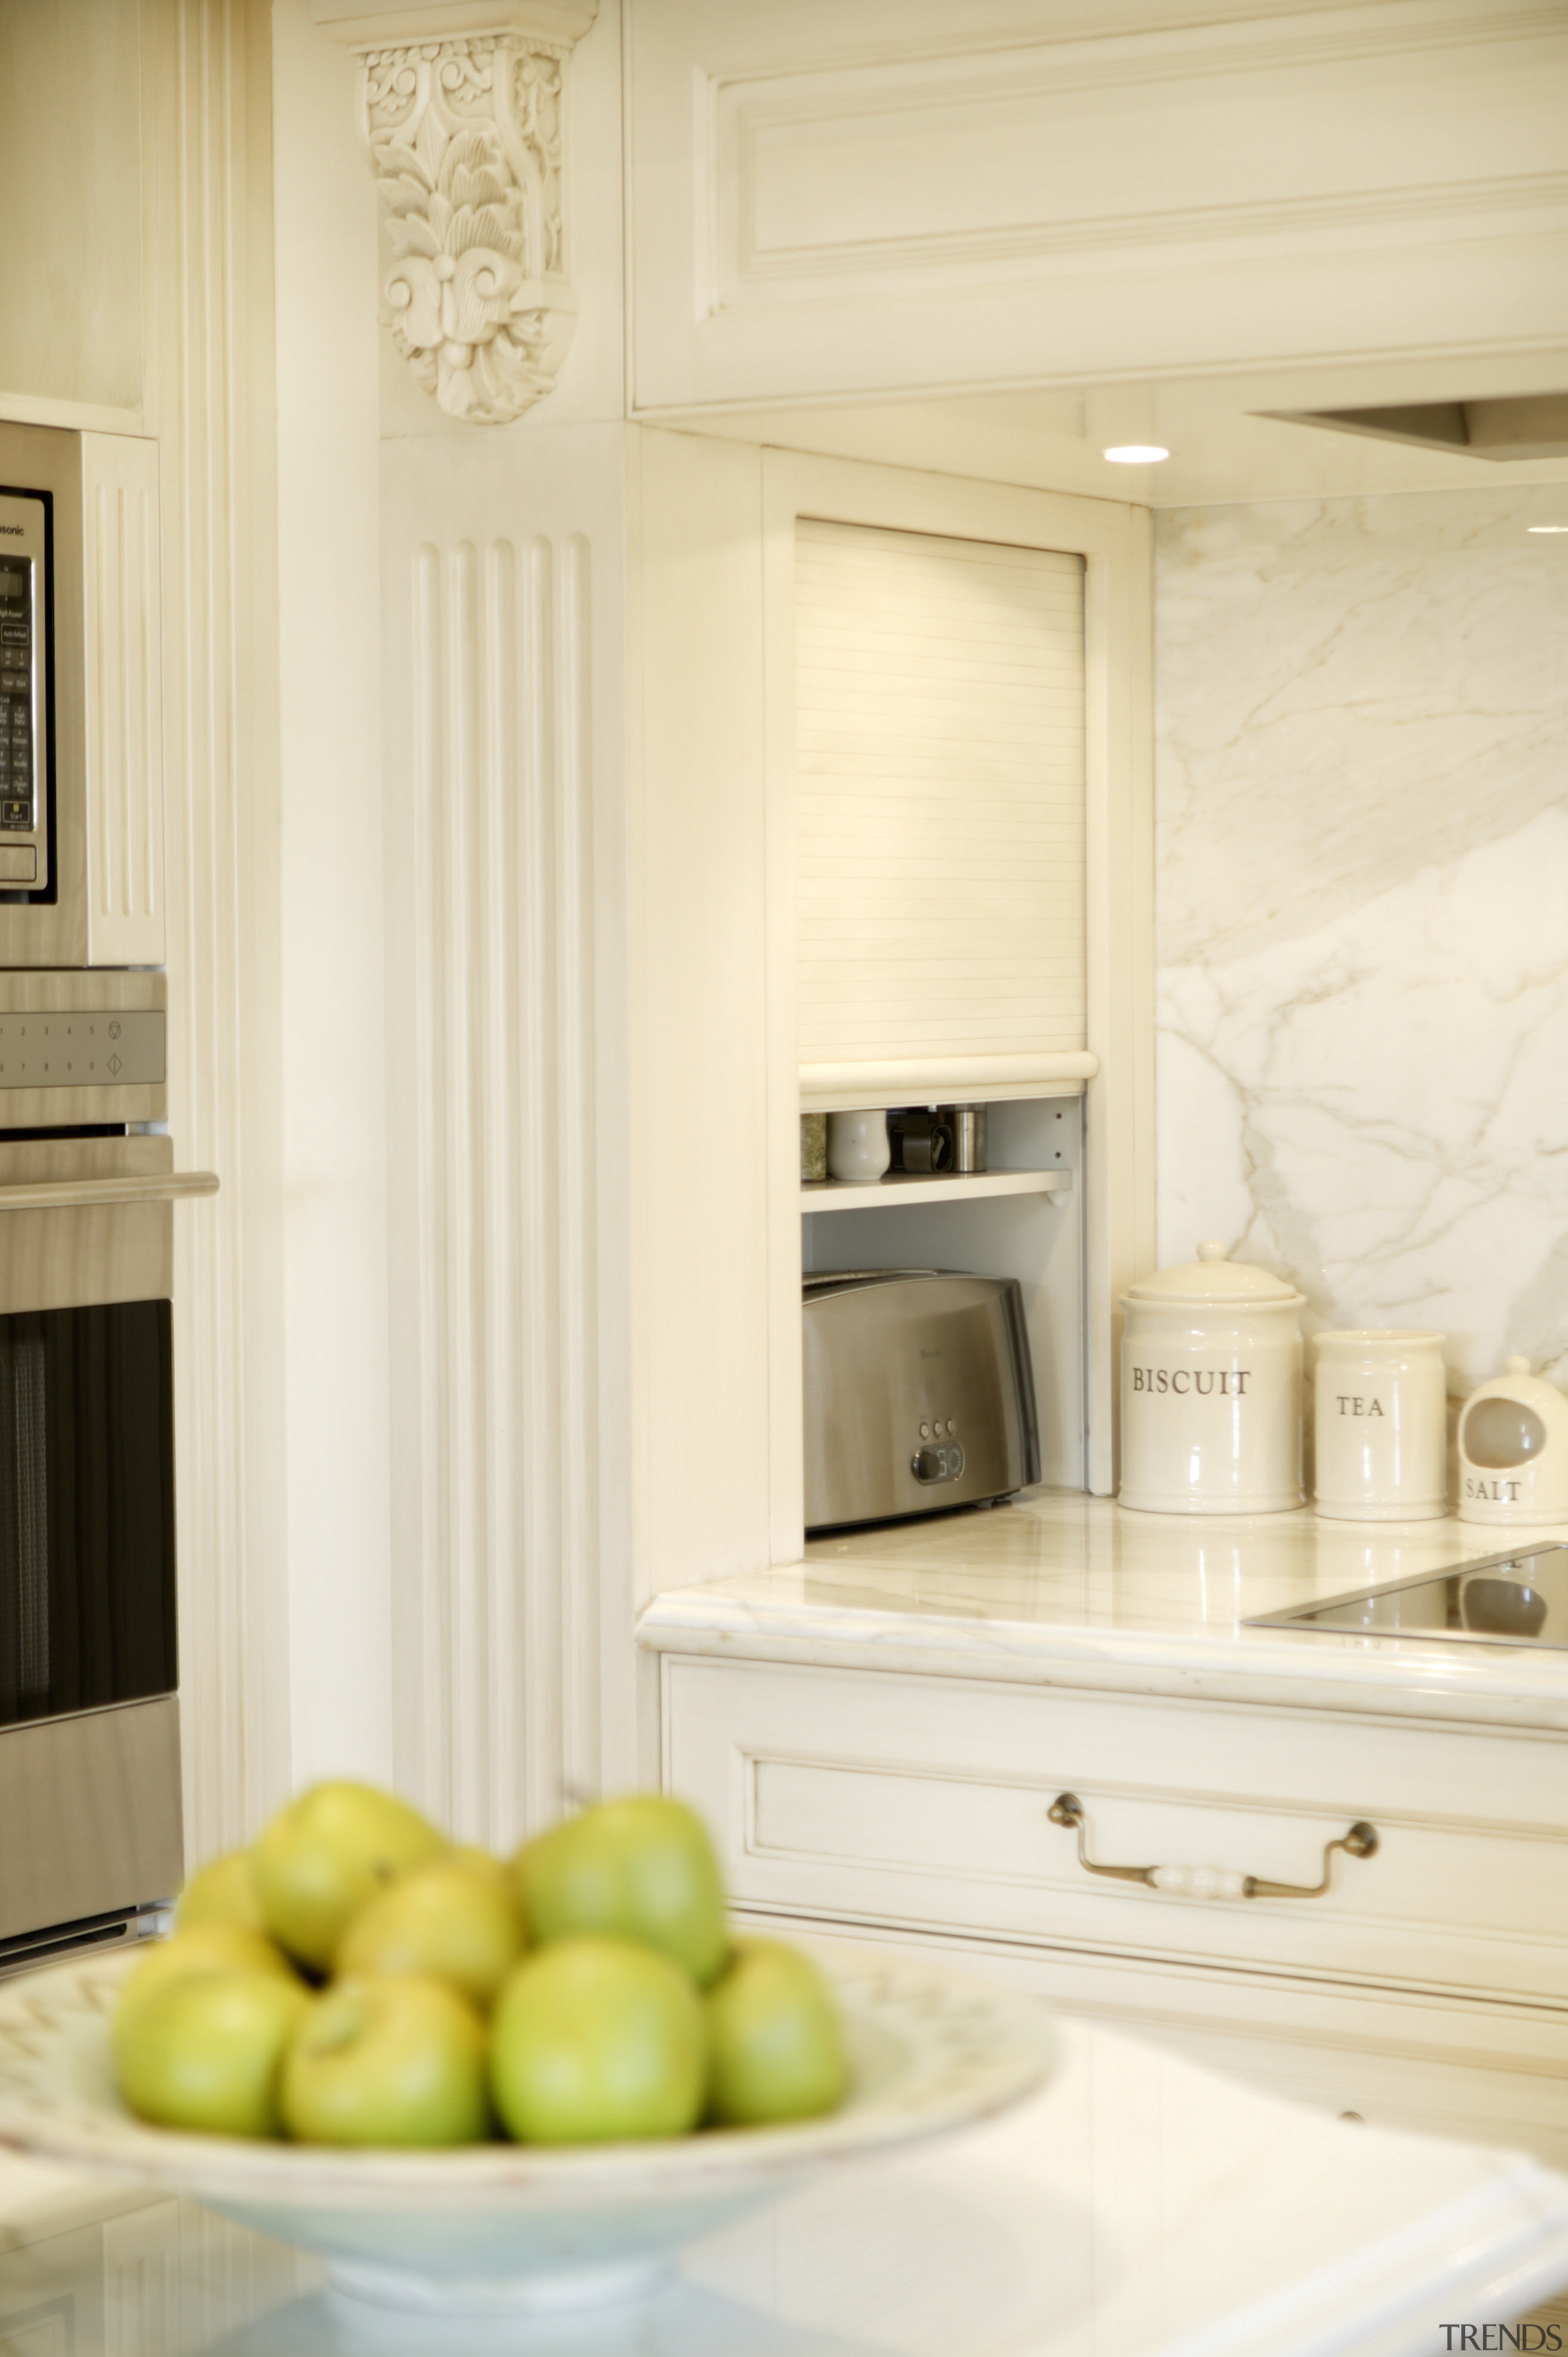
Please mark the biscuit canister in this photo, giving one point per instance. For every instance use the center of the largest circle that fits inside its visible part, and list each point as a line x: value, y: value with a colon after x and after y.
x: 1212, y: 1390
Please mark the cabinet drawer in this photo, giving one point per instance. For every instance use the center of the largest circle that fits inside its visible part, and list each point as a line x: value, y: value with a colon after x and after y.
x: 881, y: 1798
x: 1440, y: 2065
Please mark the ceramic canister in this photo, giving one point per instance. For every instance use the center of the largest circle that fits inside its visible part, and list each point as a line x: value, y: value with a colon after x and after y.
x: 1379, y: 1425
x: 1513, y: 1449
x: 1212, y: 1390
x: 857, y: 1145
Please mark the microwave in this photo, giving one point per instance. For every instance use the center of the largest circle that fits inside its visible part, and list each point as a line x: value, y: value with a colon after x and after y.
x: 24, y: 767
x: 81, y: 837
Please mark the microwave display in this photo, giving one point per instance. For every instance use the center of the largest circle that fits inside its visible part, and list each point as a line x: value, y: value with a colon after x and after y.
x: 18, y: 697
x: 24, y: 686
x: 87, y: 1554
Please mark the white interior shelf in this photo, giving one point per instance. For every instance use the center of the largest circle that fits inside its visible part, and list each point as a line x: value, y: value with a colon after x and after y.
x: 903, y: 1187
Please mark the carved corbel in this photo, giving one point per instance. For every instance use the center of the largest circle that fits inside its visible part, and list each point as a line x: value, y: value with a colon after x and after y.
x: 460, y: 104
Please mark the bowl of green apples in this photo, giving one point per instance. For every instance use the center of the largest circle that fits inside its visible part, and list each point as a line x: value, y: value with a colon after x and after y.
x: 476, y: 2084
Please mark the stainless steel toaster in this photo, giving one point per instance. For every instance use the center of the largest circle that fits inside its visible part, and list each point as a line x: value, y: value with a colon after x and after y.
x: 919, y: 1394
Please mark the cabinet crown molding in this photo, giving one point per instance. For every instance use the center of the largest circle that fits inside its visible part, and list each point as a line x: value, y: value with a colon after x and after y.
x: 460, y: 105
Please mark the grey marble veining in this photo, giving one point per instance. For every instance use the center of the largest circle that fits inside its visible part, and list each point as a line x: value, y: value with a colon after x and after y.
x: 1362, y: 886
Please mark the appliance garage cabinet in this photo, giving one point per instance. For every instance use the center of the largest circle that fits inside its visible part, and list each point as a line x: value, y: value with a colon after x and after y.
x: 1353, y: 1855
x: 866, y: 783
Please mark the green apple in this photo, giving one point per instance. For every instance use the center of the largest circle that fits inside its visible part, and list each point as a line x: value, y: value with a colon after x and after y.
x: 448, y: 1919
x: 324, y: 1854
x: 639, y: 1870
x: 387, y: 2062
x: 775, y: 2043
x: 484, y: 1862
x: 204, y: 2052
x: 222, y: 1891
x: 594, y: 2041
x: 204, y: 1948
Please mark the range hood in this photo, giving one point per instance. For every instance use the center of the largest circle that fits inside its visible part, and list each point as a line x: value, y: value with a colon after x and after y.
x: 1525, y: 426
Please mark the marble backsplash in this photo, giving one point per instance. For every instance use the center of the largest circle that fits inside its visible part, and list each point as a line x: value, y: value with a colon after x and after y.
x: 1362, y: 865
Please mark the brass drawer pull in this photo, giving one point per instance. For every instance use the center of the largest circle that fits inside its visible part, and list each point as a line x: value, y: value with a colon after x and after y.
x: 1210, y: 1881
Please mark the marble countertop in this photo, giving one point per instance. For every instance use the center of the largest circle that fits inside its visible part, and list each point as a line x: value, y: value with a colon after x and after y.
x: 1136, y: 2207
x: 1061, y: 1589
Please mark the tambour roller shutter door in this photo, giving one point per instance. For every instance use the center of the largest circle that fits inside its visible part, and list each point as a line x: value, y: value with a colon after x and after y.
x: 939, y: 741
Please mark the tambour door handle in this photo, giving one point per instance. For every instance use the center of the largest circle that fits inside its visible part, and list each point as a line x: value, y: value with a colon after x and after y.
x: 1209, y: 1881
x: 73, y: 1194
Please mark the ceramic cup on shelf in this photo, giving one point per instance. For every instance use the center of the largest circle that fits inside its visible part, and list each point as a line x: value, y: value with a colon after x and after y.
x: 857, y: 1145
x: 1379, y: 1399
x: 1212, y: 1390
x: 1513, y: 1449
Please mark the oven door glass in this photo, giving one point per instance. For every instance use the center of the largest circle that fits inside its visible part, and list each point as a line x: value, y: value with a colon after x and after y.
x: 87, y: 1567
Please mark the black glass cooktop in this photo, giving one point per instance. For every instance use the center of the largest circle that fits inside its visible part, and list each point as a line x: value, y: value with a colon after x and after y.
x: 1520, y: 1598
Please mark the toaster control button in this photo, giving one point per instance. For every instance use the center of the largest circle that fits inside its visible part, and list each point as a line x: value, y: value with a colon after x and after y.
x: 926, y: 1431
x: 931, y: 1465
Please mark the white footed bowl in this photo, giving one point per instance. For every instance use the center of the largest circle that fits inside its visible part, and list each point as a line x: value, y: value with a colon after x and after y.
x: 501, y: 2227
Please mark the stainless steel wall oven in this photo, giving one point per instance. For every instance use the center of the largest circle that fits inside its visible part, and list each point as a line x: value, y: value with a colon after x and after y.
x: 90, y: 1775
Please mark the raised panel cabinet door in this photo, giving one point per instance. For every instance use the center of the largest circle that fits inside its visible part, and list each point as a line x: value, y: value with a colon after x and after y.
x: 926, y: 1804
x: 903, y: 195
x: 1486, y: 2073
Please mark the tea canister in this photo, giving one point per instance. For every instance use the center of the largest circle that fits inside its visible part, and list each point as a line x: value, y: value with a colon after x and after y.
x: 1513, y: 1449
x: 1211, y: 1388
x: 1379, y: 1425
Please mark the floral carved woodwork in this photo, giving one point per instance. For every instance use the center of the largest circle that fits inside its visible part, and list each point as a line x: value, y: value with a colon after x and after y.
x: 464, y: 131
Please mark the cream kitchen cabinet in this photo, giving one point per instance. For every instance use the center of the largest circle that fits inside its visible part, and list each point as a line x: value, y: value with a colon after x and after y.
x: 960, y: 890
x: 621, y: 601
x: 716, y: 529
x: 1426, y: 1985
x: 888, y: 196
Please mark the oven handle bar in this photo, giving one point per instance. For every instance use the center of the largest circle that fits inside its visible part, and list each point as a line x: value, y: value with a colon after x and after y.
x: 71, y: 1194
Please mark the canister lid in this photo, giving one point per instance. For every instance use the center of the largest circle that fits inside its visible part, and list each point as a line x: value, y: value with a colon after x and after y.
x: 1518, y: 1383
x: 1369, y: 1340
x: 1214, y: 1277
x: 1513, y: 1421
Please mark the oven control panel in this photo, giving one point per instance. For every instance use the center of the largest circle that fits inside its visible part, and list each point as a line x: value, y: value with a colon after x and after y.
x: 83, y: 1048
x: 79, y: 1048
x: 24, y: 718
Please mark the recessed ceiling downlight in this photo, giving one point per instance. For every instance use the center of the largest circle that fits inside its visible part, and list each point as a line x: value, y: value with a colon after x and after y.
x: 1135, y: 453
